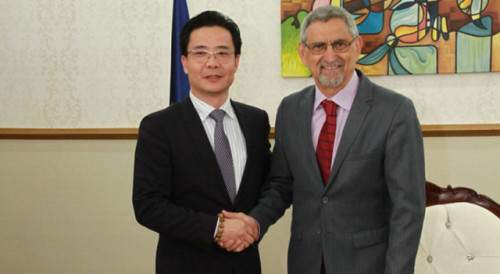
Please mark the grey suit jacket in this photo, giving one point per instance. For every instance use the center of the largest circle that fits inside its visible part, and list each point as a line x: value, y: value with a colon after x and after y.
x: 368, y: 219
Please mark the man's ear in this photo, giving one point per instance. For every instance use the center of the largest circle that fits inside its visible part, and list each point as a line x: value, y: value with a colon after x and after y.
x: 301, y: 48
x: 184, y: 64
x: 359, y: 45
x: 236, y: 62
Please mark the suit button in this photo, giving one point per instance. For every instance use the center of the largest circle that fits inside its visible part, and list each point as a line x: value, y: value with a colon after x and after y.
x: 448, y: 225
x: 429, y: 259
x: 318, y: 231
x: 325, y: 200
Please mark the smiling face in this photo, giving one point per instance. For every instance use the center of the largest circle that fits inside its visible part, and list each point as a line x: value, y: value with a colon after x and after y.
x: 331, y: 70
x: 210, y: 79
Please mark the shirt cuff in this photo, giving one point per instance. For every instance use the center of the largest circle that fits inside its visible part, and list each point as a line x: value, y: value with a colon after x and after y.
x: 216, y: 227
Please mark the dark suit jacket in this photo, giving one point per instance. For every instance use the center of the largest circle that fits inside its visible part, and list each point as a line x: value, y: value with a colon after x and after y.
x: 178, y: 188
x: 368, y: 219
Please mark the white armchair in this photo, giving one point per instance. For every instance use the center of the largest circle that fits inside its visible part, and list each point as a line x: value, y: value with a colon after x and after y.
x: 461, y: 233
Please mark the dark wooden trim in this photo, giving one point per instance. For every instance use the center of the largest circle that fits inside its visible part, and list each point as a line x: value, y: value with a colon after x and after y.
x: 461, y: 130
x: 131, y: 133
x: 437, y: 195
x: 68, y: 134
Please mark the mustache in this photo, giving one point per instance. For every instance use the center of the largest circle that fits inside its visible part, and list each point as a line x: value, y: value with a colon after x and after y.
x: 331, y: 64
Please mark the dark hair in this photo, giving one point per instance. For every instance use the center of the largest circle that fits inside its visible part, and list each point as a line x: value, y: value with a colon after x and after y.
x: 210, y: 19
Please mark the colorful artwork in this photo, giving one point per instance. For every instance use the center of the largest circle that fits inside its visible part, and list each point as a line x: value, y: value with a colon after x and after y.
x: 407, y: 36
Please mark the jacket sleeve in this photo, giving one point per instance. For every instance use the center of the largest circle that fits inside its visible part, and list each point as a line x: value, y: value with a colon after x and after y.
x: 152, y: 190
x: 405, y: 178
x: 277, y: 192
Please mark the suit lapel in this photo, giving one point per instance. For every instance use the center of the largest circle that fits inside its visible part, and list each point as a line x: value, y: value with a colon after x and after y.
x: 202, y: 145
x: 304, y: 122
x: 357, y: 115
x: 243, y: 121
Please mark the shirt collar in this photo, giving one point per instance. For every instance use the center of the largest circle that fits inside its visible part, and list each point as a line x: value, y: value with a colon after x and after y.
x: 344, y: 98
x: 204, y: 109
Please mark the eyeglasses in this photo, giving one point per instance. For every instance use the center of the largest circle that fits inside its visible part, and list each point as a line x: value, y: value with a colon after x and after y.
x: 202, y: 55
x: 337, y: 46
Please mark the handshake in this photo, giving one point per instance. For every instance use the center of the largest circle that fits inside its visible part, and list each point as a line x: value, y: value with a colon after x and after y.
x: 236, y: 231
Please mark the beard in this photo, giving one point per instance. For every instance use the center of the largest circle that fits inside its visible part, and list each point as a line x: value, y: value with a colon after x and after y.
x: 332, y: 80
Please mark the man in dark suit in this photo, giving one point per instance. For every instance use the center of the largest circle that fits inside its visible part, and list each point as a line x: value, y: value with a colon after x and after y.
x: 191, y: 164
x: 349, y: 157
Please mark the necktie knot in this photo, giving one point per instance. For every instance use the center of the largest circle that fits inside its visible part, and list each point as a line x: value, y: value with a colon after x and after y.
x: 330, y: 107
x: 217, y: 115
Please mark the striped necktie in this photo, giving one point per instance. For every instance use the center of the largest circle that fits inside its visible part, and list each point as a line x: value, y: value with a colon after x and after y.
x: 324, y: 149
x: 223, y: 152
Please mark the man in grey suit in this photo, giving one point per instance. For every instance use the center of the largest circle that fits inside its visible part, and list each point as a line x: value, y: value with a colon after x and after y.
x: 363, y: 211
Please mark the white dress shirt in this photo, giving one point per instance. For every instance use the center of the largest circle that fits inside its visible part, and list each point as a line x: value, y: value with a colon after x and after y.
x: 344, y: 99
x: 231, y: 128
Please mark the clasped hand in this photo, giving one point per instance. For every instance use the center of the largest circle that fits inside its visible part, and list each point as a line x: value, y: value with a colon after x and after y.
x: 240, y: 231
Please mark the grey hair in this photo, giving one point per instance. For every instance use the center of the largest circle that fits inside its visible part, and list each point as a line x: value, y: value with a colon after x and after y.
x: 324, y: 14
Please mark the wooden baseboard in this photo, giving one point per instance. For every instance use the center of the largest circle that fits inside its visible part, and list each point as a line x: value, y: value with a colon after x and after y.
x: 461, y: 130
x: 68, y: 134
x: 131, y: 133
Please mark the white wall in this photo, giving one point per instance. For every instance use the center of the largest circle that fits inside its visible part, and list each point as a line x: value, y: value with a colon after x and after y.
x: 94, y: 63
x: 66, y: 206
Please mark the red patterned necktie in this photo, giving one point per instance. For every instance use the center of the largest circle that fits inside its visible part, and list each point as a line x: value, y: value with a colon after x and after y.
x: 324, y: 149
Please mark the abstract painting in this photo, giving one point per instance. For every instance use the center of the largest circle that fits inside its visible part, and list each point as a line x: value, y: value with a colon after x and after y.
x: 407, y: 36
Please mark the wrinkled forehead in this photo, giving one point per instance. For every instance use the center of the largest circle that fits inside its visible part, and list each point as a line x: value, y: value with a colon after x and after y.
x: 332, y: 30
